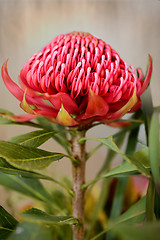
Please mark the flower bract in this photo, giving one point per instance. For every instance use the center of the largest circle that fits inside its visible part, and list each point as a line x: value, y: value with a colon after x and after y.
x: 77, y: 79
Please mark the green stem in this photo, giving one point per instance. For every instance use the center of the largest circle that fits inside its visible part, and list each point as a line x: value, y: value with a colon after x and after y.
x: 78, y: 174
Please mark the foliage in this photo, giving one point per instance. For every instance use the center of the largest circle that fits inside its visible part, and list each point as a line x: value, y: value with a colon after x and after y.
x: 118, y: 211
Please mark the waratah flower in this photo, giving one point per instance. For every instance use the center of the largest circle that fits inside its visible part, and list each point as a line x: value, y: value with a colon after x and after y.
x: 77, y: 79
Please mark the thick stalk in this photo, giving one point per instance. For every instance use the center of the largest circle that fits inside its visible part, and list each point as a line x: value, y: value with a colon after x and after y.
x: 78, y: 174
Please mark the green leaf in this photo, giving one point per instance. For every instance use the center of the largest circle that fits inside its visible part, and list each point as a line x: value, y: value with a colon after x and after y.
x: 7, y: 223
x: 37, y: 216
x: 131, y: 232
x: 122, y: 182
x: 147, y: 107
x: 8, y: 169
x: 135, y: 214
x: 44, y: 123
x: 142, y: 156
x: 60, y: 138
x: 119, y: 138
x: 112, y: 145
x: 154, y: 148
x: 150, y: 198
x: 6, y: 219
x: 3, y: 119
x: 5, y: 111
x: 31, y: 231
x: 5, y: 167
x: 26, y: 157
x: 26, y: 186
x: 29, y: 187
x: 33, y: 139
x: 125, y: 169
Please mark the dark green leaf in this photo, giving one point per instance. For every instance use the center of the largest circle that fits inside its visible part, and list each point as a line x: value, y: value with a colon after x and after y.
x: 157, y: 206
x: 31, y: 231
x: 6, y: 219
x: 38, y: 216
x: 7, y: 223
x: 33, y: 139
x: 26, y: 157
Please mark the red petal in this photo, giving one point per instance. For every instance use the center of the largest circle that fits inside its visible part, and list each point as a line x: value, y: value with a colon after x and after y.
x: 16, y: 91
x: 12, y: 87
x: 148, y: 76
x: 136, y: 106
x: 19, y: 118
x: 63, y: 98
x: 118, y: 114
x: 23, y: 118
x: 118, y: 124
x: 96, y: 106
x: 28, y: 90
x: 23, y: 75
x: 46, y: 112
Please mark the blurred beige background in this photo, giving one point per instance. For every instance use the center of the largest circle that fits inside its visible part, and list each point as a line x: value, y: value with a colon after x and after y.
x: 131, y: 27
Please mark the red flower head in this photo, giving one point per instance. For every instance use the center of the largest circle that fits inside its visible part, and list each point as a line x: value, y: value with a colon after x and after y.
x: 77, y: 79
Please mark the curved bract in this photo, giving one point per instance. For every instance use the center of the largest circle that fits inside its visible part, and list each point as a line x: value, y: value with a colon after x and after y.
x: 78, y: 79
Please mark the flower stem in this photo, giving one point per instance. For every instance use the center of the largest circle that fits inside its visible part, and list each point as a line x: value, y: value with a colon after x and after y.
x: 78, y: 174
